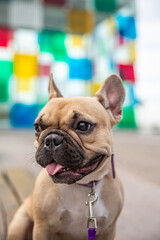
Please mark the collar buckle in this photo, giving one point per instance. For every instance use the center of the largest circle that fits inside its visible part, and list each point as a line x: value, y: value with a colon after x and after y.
x: 92, y: 199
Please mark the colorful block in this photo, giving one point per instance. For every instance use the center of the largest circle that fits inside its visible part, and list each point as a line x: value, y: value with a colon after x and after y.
x: 126, y: 26
x: 80, y: 69
x: 6, y: 69
x: 58, y: 46
x: 132, y: 52
x: 45, y: 41
x: 25, y: 66
x: 128, y: 120
x: 80, y: 21
x: 105, y: 6
x: 4, y: 95
x: 53, y: 42
x: 24, y: 84
x: 127, y: 72
x: 77, y: 41
x: 44, y: 69
x: 96, y: 87
x: 6, y: 35
x: 130, y: 98
x: 22, y: 115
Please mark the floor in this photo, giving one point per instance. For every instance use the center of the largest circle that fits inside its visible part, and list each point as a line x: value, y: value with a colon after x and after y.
x: 137, y: 159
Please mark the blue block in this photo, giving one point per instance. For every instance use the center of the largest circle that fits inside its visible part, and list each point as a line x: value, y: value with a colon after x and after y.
x: 80, y: 69
x: 130, y: 99
x: 126, y: 26
x: 22, y: 115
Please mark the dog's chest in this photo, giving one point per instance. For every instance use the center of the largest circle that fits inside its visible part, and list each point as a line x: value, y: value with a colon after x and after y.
x: 74, y: 212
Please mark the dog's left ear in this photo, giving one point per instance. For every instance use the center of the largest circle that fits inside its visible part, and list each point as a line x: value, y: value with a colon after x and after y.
x: 111, y: 95
x: 52, y: 89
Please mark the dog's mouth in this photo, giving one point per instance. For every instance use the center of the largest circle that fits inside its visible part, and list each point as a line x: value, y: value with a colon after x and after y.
x: 62, y: 174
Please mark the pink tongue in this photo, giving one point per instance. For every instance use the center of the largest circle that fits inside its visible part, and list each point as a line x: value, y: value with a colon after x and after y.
x: 53, y: 168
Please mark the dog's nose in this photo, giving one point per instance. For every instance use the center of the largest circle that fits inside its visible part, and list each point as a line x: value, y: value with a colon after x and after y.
x: 52, y: 140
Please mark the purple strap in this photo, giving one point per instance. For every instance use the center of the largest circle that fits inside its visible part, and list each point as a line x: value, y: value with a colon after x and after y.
x: 91, y: 234
x: 113, y: 168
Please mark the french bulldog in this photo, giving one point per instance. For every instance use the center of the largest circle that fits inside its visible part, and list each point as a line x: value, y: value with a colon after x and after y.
x: 74, y: 146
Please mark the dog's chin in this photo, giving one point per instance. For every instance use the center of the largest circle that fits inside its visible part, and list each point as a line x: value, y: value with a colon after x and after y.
x: 70, y: 176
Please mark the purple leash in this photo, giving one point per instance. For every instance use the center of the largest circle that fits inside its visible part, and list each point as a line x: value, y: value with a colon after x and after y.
x: 92, y: 224
x: 91, y: 234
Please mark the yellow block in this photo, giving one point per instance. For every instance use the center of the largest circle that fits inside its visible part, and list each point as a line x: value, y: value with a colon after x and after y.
x: 24, y: 84
x: 25, y: 66
x: 96, y: 87
x: 80, y: 21
x: 77, y: 41
x: 112, y: 25
x: 132, y: 52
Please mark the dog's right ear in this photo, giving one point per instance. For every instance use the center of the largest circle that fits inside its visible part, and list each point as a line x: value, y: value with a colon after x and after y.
x: 52, y: 89
x: 111, y: 95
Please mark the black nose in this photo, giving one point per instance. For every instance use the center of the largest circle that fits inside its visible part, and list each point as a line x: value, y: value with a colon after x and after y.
x: 52, y: 140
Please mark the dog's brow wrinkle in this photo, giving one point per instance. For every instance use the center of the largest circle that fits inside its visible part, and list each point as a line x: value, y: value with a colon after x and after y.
x: 76, y: 115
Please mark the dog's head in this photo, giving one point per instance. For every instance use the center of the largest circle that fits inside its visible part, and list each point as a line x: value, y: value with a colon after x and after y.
x: 73, y: 135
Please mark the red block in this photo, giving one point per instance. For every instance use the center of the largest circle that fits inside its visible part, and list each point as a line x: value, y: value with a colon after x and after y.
x: 44, y: 70
x: 119, y: 40
x: 6, y: 35
x: 55, y: 2
x: 127, y: 72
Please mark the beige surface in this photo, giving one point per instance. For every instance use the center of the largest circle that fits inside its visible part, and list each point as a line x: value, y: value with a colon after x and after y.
x: 138, y: 159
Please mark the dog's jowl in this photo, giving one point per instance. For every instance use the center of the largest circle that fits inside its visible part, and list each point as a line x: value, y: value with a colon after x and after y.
x: 74, y: 144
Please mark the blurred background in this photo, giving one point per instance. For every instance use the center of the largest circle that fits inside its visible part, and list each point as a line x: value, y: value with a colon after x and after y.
x: 82, y: 42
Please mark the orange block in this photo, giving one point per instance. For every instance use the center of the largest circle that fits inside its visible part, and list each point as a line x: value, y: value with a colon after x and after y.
x: 25, y: 66
x: 80, y: 21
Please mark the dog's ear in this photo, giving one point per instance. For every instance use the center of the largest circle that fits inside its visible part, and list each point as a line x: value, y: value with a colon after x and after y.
x: 52, y: 89
x: 111, y: 95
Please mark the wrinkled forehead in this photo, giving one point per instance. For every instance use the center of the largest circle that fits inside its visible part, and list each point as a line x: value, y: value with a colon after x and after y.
x: 86, y: 108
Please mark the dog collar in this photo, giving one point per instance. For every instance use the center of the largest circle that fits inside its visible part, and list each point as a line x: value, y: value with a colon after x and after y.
x: 90, y: 184
x: 94, y: 183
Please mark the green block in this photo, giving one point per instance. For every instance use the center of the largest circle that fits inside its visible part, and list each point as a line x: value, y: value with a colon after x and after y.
x: 54, y: 43
x: 105, y: 5
x: 6, y: 69
x: 60, y: 56
x: 58, y: 42
x: 4, y: 96
x: 45, y: 41
x: 128, y: 120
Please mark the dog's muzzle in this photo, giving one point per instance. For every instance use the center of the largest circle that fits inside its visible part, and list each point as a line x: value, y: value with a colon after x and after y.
x: 63, y: 158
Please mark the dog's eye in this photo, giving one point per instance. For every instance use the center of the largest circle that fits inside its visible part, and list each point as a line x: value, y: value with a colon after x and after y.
x: 83, y: 126
x: 38, y: 128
